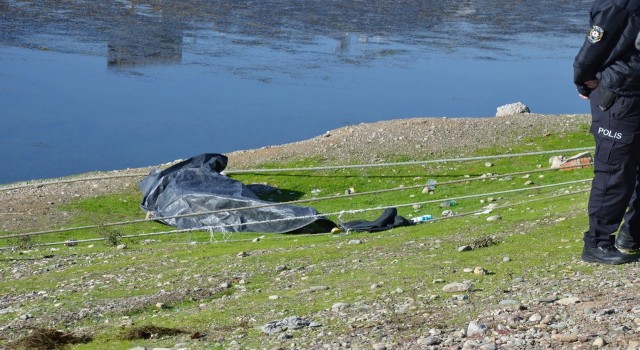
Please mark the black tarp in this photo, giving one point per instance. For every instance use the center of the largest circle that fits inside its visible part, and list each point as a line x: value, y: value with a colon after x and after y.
x: 196, y: 186
x: 388, y: 220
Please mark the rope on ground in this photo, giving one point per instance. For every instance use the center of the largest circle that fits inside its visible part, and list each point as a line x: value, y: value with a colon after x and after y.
x: 477, y: 212
x: 300, y: 201
x: 352, y: 211
x: 336, y: 167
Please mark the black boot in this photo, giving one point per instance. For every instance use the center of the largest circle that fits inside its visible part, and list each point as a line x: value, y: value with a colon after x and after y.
x: 625, y: 243
x: 606, y: 253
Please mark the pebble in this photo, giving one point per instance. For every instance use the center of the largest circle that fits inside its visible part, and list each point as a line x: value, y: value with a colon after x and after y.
x: 457, y: 287
x: 535, y: 318
x: 121, y: 246
x: 428, y: 341
x: 337, y: 307
x: 565, y: 338
x: 568, y: 301
x: 480, y: 270
x: 464, y: 248
x: 476, y: 329
x: 494, y: 218
x: 598, y: 342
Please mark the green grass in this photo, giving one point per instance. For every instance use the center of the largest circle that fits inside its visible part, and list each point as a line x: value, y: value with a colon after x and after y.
x: 540, y: 231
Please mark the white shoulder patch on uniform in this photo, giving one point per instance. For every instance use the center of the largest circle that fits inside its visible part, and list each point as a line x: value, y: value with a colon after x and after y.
x: 595, y: 34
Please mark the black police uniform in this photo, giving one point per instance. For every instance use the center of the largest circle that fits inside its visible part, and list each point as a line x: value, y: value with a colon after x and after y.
x: 610, y: 56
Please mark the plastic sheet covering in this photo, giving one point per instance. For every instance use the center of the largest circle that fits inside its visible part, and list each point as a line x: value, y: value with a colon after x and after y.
x: 196, y: 186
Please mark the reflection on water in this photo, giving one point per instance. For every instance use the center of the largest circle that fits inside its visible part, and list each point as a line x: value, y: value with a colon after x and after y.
x: 193, y: 76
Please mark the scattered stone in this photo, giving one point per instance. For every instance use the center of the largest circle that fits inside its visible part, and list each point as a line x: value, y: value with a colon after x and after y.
x: 355, y: 241
x: 285, y: 336
x: 494, y: 218
x: 457, y: 287
x: 464, y: 248
x: 242, y: 254
x: 289, y: 323
x: 428, y: 341
x: 476, y: 329
x: 121, y: 246
x: 565, y: 338
x: 568, y: 301
x: 535, y: 318
x: 598, y: 342
x: 337, y: 307
x: 480, y: 270
x: 509, y: 302
x: 161, y: 306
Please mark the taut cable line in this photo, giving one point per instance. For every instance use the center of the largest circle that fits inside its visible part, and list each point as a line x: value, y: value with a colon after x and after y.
x: 476, y: 212
x: 336, y: 167
x: 307, y: 200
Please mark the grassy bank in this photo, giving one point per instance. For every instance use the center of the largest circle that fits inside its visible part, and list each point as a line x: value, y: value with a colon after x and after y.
x: 219, y: 290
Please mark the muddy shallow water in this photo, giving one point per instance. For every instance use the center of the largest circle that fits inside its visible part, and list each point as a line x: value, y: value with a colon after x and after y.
x: 99, y: 85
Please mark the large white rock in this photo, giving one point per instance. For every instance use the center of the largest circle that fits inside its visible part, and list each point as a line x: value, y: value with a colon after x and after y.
x: 512, y: 108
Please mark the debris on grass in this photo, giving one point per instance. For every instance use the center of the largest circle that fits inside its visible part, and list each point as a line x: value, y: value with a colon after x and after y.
x: 49, y: 339
x: 149, y: 332
x: 484, y: 242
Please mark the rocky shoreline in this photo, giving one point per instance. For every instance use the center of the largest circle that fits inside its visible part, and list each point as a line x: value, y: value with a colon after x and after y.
x: 563, y: 309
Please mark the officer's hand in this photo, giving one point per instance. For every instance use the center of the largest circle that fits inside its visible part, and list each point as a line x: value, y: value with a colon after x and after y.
x: 591, y: 84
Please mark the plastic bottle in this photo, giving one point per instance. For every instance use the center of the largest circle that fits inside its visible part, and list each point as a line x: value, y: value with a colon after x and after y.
x: 448, y: 203
x: 421, y: 219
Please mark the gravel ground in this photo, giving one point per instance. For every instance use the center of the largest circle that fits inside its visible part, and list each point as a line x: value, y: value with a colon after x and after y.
x: 561, y: 309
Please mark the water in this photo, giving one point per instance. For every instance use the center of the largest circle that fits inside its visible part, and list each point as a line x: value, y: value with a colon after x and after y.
x: 103, y: 85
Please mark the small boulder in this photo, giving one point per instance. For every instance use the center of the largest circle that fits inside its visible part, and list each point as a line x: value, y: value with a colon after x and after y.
x: 511, y: 109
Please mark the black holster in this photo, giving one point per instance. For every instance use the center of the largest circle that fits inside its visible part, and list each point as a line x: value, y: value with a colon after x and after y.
x: 606, y: 98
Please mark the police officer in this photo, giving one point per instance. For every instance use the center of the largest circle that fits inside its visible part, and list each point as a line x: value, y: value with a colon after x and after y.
x: 607, y: 72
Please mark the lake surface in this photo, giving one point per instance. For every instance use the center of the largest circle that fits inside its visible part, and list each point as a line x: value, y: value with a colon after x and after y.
x: 102, y: 85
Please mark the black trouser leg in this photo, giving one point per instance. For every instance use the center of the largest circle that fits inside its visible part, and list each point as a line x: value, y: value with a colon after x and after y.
x: 632, y: 218
x: 616, y: 162
x: 611, y: 189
